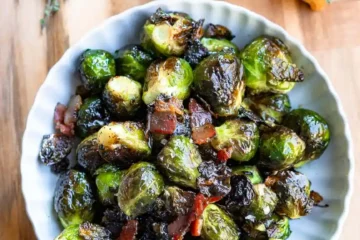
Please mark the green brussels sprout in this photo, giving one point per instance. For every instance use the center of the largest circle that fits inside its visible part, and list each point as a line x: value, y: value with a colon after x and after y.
x: 108, y: 178
x: 96, y: 68
x: 123, y: 142
x: 122, y: 96
x: 85, y: 231
x: 293, y: 191
x: 179, y: 161
x: 280, y: 148
x: 218, y: 225
x: 87, y: 153
x: 132, y: 61
x: 218, y: 79
x: 139, y: 188
x: 91, y: 117
x: 167, y: 33
x: 54, y: 148
x: 313, y: 129
x: 172, y: 77
x: 268, y: 66
x: 74, y: 198
x: 251, y: 172
x: 240, y: 135
x: 271, y: 108
x: 214, y: 45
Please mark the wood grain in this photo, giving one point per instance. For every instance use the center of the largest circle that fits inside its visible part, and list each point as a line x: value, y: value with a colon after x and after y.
x: 26, y: 55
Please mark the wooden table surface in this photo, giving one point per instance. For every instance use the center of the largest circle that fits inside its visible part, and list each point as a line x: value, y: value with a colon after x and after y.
x: 26, y: 55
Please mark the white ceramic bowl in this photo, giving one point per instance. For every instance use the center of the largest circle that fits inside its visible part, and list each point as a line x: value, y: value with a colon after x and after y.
x: 330, y: 175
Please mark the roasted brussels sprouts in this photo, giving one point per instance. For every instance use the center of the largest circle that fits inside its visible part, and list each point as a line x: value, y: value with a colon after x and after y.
x: 167, y: 33
x: 96, y: 68
x: 114, y: 219
x: 108, y: 178
x: 240, y: 135
x: 280, y: 148
x: 251, y: 172
x: 54, y: 148
x: 74, y: 198
x: 293, y: 191
x: 214, y: 45
x: 313, y: 129
x: 132, y: 61
x: 139, y: 188
x: 218, y: 31
x: 87, y: 153
x: 123, y: 142
x: 219, y: 80
x: 122, y: 96
x: 179, y: 161
x: 268, y: 66
x: 91, y: 117
x: 218, y: 225
x: 178, y: 201
x: 85, y: 231
x: 271, y: 108
x: 195, y: 52
x: 172, y: 78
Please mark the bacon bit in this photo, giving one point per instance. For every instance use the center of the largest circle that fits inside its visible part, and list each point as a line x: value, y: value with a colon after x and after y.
x: 172, y: 105
x: 163, y: 122
x: 196, y: 227
x: 316, y: 197
x: 203, y: 134
x: 177, y: 237
x: 129, y: 231
x: 201, y: 123
x: 214, y: 199
x: 65, y: 117
x: 224, y: 154
x: 179, y: 227
x: 72, y: 109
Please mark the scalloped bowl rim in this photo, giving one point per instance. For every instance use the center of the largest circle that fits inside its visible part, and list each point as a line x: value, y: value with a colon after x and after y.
x: 254, y: 15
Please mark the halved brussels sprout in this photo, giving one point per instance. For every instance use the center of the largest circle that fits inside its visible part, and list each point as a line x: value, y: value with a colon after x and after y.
x: 108, y: 178
x: 293, y: 191
x: 85, y: 231
x: 96, y: 68
x: 54, y: 148
x: 219, y: 80
x: 268, y: 66
x: 123, y: 142
x: 240, y: 135
x: 132, y: 61
x: 87, y: 153
x: 313, y: 129
x: 139, y: 188
x: 167, y: 33
x: 91, y: 117
x: 179, y: 161
x: 122, y: 96
x: 74, y: 198
x: 271, y: 108
x: 218, y: 225
x: 280, y: 148
x: 251, y: 172
x: 172, y: 78
x: 214, y: 45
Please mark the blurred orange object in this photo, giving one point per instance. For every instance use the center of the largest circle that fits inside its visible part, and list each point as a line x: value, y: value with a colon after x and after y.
x: 316, y: 5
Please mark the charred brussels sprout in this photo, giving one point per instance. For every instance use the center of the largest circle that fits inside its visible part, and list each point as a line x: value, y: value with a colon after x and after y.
x: 139, y: 188
x: 293, y: 190
x: 167, y: 33
x: 271, y: 108
x: 313, y: 129
x: 132, y: 61
x: 218, y: 225
x: 214, y: 45
x: 91, y: 117
x: 54, y: 148
x: 280, y: 148
x: 123, y: 142
x: 85, y: 231
x: 87, y: 154
x: 278, y: 228
x: 178, y: 201
x: 239, y: 135
x: 108, y: 178
x: 218, y: 31
x: 74, y: 198
x: 179, y: 161
x: 96, y: 68
x: 219, y: 80
x: 268, y: 66
x: 251, y: 172
x: 172, y: 78
x: 122, y: 96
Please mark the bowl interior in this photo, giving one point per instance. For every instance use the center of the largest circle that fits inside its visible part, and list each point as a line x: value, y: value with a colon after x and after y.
x: 329, y: 174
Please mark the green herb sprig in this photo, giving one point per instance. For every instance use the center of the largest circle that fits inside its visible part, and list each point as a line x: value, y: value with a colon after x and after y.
x: 51, y: 7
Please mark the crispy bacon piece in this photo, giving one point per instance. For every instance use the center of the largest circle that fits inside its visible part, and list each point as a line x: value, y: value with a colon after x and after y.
x: 202, y: 134
x: 201, y: 123
x: 129, y: 231
x: 65, y: 117
x: 224, y: 154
